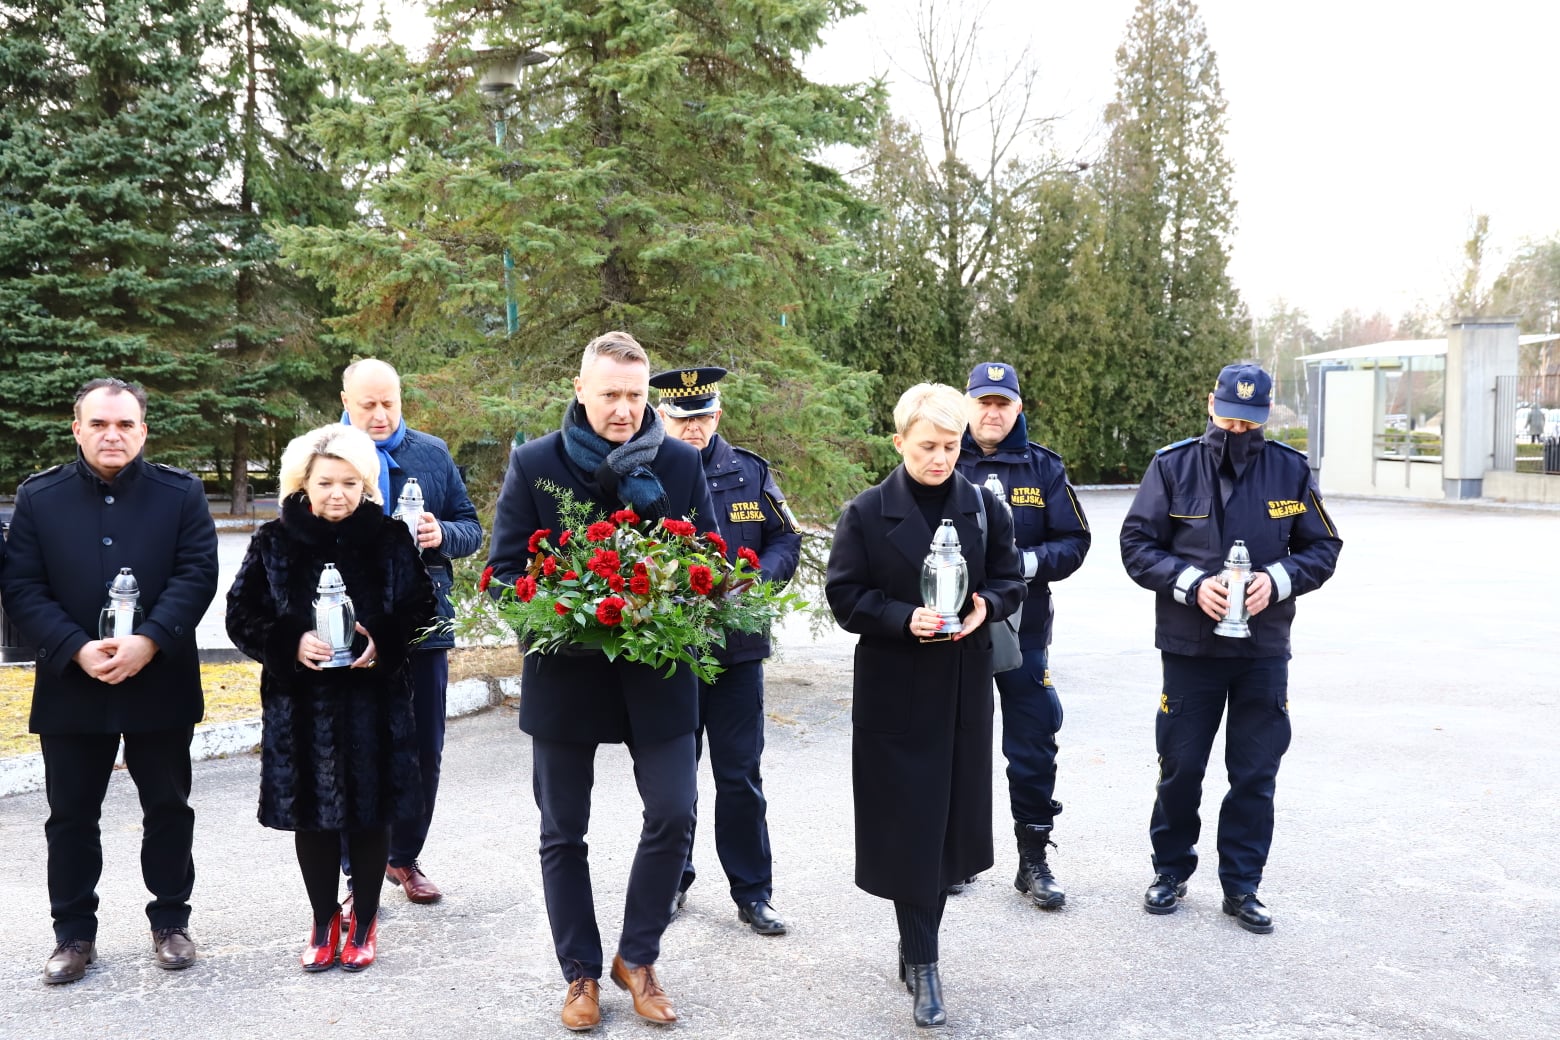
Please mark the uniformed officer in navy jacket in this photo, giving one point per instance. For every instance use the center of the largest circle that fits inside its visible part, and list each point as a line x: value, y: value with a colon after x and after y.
x: 1053, y: 538
x: 752, y: 514
x: 1198, y: 496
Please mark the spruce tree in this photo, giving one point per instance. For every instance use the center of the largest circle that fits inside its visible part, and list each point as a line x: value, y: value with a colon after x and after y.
x: 1169, y: 213
x: 656, y: 173
x: 111, y: 255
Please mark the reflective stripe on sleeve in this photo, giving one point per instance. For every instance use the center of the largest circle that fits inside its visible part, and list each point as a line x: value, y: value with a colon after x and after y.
x: 1183, y: 584
x: 1281, y: 585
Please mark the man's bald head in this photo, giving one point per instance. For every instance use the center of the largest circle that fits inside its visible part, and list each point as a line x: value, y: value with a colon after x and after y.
x: 371, y: 394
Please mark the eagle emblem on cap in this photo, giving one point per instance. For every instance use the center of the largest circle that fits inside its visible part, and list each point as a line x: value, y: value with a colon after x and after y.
x: 995, y: 372
x: 691, y: 377
x: 1245, y: 390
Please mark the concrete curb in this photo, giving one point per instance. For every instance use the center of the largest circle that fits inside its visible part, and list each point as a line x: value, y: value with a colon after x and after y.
x: 20, y: 774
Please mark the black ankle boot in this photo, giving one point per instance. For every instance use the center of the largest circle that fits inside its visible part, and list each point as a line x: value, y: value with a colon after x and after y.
x: 1034, y: 878
x: 925, y: 985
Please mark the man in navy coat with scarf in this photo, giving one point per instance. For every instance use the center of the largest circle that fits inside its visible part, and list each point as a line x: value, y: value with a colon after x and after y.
x: 447, y: 530
x: 611, y: 452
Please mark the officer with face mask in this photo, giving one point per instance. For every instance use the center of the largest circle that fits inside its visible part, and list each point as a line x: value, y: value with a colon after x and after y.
x: 1198, y: 497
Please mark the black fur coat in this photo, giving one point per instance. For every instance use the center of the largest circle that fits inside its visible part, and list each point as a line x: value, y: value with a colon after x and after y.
x: 338, y: 747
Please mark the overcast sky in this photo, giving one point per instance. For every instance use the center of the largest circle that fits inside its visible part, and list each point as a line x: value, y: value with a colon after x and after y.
x: 1365, y: 134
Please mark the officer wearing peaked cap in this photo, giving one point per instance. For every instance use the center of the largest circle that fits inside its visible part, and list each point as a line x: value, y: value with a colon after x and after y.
x: 1052, y: 536
x: 1197, y: 498
x: 752, y: 514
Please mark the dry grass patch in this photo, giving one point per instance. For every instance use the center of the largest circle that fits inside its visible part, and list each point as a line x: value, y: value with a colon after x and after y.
x: 232, y: 690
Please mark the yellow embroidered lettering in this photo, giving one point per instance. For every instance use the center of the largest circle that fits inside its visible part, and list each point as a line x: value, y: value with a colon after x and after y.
x: 1022, y: 496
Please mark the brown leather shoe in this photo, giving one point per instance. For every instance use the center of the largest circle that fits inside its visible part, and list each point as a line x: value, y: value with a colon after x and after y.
x: 69, y: 961
x: 175, y: 948
x: 411, y: 878
x: 582, y: 1005
x: 650, y: 1000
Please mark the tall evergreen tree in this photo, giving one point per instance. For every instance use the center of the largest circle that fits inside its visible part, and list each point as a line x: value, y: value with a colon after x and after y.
x: 275, y: 366
x: 111, y: 255
x: 655, y: 173
x: 1169, y: 213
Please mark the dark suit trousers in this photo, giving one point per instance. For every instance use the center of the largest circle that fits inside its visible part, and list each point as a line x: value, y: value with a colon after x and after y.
x: 76, y: 771
x: 731, y: 718
x: 430, y: 680
x: 562, y: 774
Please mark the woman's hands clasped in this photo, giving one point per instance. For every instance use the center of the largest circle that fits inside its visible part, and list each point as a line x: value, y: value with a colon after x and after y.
x: 312, y: 650
x: 925, y: 623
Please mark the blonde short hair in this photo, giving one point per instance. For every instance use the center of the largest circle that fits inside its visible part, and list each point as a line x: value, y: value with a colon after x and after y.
x: 335, y: 441
x: 937, y: 403
x: 619, y: 346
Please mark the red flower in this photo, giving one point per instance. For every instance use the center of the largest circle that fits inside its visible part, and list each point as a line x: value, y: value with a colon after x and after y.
x: 610, y: 612
x: 525, y: 588
x: 563, y: 539
x: 640, y: 569
x: 570, y: 576
x: 549, y: 565
x: 615, y: 582
x: 561, y: 609
x: 639, y: 585
x: 716, y: 540
x: 625, y: 516
x: 485, y: 580
x: 699, y: 579
x: 605, y: 562
x: 681, y: 528
x: 750, y: 556
x: 599, y: 531
x: 537, y: 538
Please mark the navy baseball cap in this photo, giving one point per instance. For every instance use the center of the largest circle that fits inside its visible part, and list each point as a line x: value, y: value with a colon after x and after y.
x: 686, y: 392
x: 993, y: 377
x: 1243, y: 392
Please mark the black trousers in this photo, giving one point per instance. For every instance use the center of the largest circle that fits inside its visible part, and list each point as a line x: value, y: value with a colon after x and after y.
x: 562, y: 774
x: 1197, y: 691
x: 76, y: 769
x: 1031, y: 717
x: 430, y: 681
x: 731, y: 718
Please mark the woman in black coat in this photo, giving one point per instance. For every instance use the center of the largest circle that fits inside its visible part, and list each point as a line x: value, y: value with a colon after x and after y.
x: 338, y: 745
x: 921, y: 719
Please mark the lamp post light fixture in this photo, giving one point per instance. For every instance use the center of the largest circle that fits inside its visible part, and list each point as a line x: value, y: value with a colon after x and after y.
x: 499, y: 72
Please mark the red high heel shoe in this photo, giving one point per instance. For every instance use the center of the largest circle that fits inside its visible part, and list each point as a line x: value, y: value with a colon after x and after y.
x: 356, y: 956
x: 322, y: 957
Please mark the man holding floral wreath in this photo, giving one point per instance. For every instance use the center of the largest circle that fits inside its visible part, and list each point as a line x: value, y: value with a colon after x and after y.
x: 613, y: 455
x: 753, y: 519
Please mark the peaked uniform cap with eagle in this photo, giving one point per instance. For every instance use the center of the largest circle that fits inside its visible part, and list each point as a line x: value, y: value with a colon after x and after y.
x: 993, y: 377
x: 1243, y: 392
x: 687, y: 392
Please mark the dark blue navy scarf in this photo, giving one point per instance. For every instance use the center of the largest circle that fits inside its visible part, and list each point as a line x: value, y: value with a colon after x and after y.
x: 622, y: 470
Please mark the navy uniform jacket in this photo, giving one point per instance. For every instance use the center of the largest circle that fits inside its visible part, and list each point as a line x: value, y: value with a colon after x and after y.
x: 1179, y: 529
x: 751, y: 511
x: 1047, y: 519
x: 581, y: 696
x: 426, y: 457
x: 71, y: 533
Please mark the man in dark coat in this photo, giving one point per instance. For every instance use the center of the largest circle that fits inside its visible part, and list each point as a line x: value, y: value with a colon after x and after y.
x: 612, y: 451
x: 752, y: 514
x: 447, y: 529
x: 76, y: 527
x: 1198, y: 497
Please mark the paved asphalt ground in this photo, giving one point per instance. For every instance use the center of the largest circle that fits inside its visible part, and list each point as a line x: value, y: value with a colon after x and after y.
x: 1413, y: 879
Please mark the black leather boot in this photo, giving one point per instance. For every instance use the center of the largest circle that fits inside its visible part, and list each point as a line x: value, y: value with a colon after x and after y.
x: 1034, y: 873
x: 925, y: 985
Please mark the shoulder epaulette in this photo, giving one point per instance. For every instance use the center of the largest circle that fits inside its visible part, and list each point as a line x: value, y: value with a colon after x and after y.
x: 1289, y: 447
x: 175, y: 470
x: 1045, y: 451
x: 45, y: 472
x: 750, y: 454
x: 1178, y: 444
